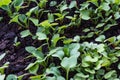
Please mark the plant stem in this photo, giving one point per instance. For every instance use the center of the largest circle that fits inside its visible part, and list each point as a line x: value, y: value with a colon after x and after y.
x: 67, y: 74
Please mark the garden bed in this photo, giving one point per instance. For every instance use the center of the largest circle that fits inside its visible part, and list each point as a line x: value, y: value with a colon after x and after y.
x: 60, y: 40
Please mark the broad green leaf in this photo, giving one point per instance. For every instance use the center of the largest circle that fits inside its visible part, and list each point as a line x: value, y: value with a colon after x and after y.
x: 88, y: 58
x: 4, y: 2
x: 41, y: 36
x: 76, y: 38
x: 85, y: 14
x: 86, y: 30
x: 35, y: 21
x: 30, y: 49
x: 37, y: 77
x: 81, y: 75
x: 2, y: 77
x: 50, y: 17
x: 42, y: 3
x: 106, y: 62
x: 119, y: 66
x: 105, y: 6
x: 72, y: 4
x: 30, y: 65
x: 3, y: 67
x: 74, y: 47
x: 70, y: 62
x: 100, y: 48
x: 101, y: 38
x: 34, y: 9
x: 18, y: 2
x: 34, y: 69
x: 23, y: 18
x: 2, y: 56
x: 117, y: 15
x: 25, y: 33
x: 53, y: 70
x: 63, y: 7
x: 118, y: 37
x: 53, y: 3
x: 109, y: 74
x: 89, y: 35
x: 100, y: 25
x: 45, y: 24
x: 111, y: 39
x: 67, y: 41
x: 38, y: 54
x: 15, y: 19
x: 54, y: 50
x: 59, y: 54
x: 11, y: 77
x: 90, y: 70
x: 117, y: 1
x: 55, y: 39
x: 98, y: 64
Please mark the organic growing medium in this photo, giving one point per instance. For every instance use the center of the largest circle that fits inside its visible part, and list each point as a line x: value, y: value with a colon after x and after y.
x: 59, y: 39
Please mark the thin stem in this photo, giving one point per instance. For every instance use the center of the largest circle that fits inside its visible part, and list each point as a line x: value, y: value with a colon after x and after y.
x: 67, y: 74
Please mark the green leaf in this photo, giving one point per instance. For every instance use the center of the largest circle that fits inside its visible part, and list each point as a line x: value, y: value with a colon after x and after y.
x: 2, y: 77
x: 30, y: 49
x: 119, y: 66
x: 4, y: 2
x: 86, y: 30
x: 35, y: 21
x: 72, y: 4
x: 2, y: 56
x: 100, y: 25
x: 45, y: 24
x: 117, y: 15
x: 50, y: 17
x: 30, y: 65
x: 81, y: 75
x: 88, y: 58
x: 106, y: 62
x: 18, y: 2
x: 85, y: 14
x: 25, y: 33
x: 41, y: 36
x: 1, y: 18
x: 67, y: 41
x: 98, y: 64
x: 23, y: 18
x: 111, y: 39
x: 101, y: 38
x: 53, y: 3
x: 38, y: 54
x: 70, y: 62
x: 90, y: 70
x: 59, y: 54
x: 76, y: 38
x: 89, y: 35
x: 34, y: 69
x: 63, y: 7
x: 38, y: 77
x: 105, y: 6
x: 117, y: 1
x: 11, y: 77
x: 109, y: 74
x: 100, y: 48
x: 55, y: 39
x: 15, y: 19
x: 74, y: 47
